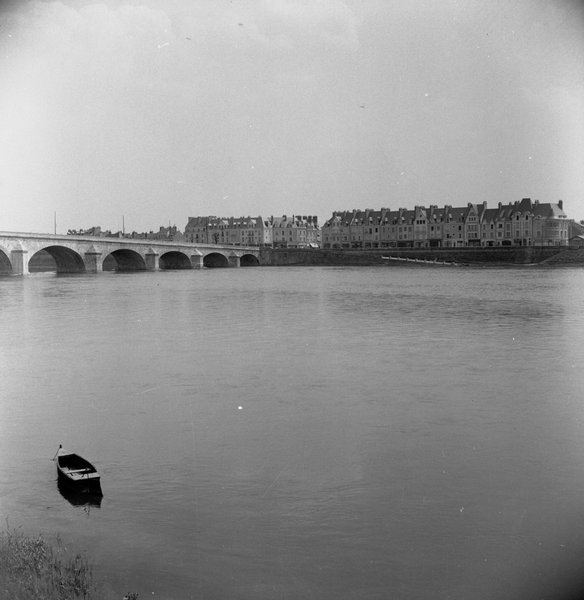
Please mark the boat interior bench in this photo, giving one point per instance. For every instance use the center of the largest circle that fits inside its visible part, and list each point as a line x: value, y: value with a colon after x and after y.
x: 73, y: 463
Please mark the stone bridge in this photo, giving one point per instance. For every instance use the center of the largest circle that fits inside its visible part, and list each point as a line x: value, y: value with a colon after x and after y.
x: 85, y: 254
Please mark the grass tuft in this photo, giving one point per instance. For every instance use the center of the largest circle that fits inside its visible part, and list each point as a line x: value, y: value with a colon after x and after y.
x: 33, y: 568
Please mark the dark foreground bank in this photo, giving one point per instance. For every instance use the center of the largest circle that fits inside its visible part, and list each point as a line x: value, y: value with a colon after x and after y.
x: 35, y: 568
x: 545, y: 256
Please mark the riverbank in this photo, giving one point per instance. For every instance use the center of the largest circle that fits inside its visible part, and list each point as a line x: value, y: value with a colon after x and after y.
x: 34, y: 568
x: 549, y: 256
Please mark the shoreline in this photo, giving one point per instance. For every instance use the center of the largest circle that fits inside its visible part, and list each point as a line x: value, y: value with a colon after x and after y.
x: 501, y: 256
x: 557, y: 256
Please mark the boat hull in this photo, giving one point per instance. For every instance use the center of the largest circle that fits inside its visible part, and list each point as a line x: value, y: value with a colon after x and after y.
x: 76, y: 473
x: 88, y: 485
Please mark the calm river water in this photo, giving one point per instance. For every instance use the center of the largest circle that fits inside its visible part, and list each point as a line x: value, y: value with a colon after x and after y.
x: 287, y: 433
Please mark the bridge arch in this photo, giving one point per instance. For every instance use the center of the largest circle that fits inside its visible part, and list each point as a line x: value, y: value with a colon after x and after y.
x: 66, y: 259
x: 215, y: 260
x: 174, y: 260
x: 5, y: 264
x: 42, y: 262
x: 124, y: 260
x: 249, y: 260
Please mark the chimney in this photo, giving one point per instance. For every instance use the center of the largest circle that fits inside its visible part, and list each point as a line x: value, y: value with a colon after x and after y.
x: 561, y: 204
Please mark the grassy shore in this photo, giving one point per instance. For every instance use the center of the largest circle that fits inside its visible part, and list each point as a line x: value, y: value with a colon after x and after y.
x: 34, y: 568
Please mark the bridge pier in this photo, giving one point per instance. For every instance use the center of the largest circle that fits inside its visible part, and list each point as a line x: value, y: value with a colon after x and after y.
x: 19, y: 261
x: 92, y: 261
x: 234, y: 261
x: 197, y: 261
x: 152, y: 260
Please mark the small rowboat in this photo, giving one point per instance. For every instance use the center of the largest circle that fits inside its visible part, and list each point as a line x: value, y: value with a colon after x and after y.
x: 76, y: 472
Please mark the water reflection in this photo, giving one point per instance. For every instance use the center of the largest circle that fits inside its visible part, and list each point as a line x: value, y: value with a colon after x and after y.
x: 92, y: 500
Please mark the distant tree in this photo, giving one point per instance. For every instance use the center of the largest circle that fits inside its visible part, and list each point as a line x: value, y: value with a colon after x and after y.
x: 216, y: 237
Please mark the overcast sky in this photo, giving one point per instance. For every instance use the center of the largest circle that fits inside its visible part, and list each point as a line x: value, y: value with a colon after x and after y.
x: 157, y: 110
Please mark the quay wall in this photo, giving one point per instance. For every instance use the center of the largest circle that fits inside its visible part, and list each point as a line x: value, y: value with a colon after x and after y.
x: 478, y: 256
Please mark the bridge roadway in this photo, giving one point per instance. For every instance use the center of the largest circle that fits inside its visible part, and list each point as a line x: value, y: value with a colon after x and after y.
x: 87, y: 254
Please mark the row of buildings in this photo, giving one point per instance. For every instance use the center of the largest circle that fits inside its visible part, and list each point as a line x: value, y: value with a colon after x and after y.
x: 277, y: 232
x: 522, y: 223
